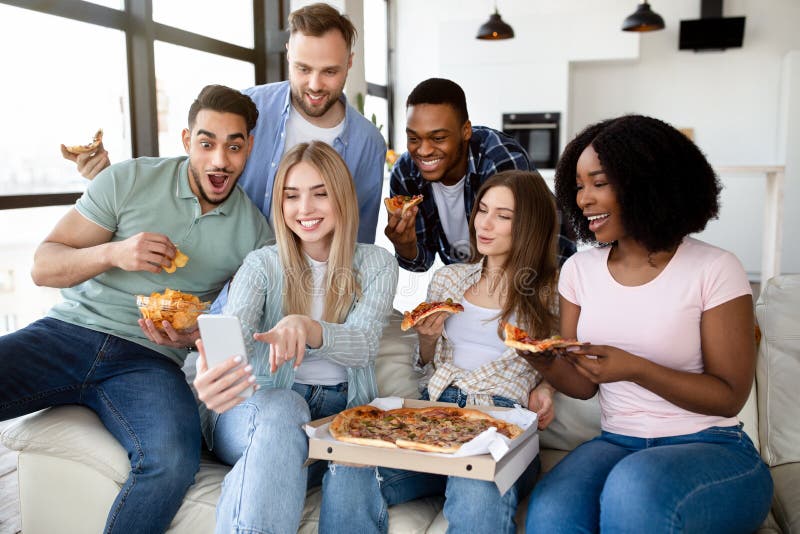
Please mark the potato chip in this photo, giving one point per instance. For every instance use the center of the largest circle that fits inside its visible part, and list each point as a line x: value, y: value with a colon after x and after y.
x: 177, y: 308
x: 180, y: 260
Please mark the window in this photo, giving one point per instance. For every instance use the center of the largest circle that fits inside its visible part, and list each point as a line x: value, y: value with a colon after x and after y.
x: 180, y: 75
x: 67, y: 72
x: 230, y: 21
x: 376, y: 70
x: 51, y: 98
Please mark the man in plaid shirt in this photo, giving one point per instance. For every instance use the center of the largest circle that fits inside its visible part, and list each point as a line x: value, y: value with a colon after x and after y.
x: 447, y: 161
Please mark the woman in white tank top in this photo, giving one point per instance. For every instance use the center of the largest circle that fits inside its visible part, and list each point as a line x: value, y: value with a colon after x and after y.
x: 511, y: 277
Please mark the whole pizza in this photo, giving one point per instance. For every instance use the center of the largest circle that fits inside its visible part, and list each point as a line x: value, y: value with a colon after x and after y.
x: 435, y: 429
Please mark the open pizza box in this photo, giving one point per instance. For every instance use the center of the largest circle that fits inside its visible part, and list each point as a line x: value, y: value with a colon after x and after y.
x: 516, y: 456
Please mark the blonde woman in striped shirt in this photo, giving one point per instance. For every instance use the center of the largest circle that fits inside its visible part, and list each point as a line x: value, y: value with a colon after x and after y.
x: 511, y: 277
x: 313, y: 308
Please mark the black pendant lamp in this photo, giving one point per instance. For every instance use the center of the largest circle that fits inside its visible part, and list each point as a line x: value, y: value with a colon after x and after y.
x: 495, y: 29
x: 643, y: 20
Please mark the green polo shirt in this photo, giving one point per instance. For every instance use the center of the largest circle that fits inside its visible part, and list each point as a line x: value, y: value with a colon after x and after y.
x: 153, y: 195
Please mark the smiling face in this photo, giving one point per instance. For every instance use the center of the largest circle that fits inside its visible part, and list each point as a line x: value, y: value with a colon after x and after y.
x: 597, y: 198
x: 317, y: 72
x: 308, y: 210
x: 218, y: 146
x: 493, y: 223
x: 437, y: 141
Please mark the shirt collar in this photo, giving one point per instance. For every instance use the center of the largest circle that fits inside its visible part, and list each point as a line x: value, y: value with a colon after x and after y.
x: 348, y: 113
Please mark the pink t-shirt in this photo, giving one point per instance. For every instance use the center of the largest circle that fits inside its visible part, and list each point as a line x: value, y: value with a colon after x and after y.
x: 660, y: 321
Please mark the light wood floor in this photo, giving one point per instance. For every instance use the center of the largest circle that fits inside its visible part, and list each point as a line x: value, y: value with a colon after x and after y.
x: 9, y: 494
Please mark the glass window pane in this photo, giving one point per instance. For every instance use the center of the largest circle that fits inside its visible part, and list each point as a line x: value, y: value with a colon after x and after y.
x: 180, y: 75
x: 230, y: 21
x: 49, y: 100
x: 375, y: 41
x: 21, y: 301
x: 377, y: 106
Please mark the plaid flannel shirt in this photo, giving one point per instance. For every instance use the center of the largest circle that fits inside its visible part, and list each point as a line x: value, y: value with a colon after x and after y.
x: 507, y: 376
x: 488, y: 153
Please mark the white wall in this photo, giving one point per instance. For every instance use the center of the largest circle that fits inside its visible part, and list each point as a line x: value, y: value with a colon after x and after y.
x: 570, y: 56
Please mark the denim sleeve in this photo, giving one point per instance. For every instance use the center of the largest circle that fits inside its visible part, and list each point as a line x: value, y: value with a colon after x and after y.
x: 370, y: 174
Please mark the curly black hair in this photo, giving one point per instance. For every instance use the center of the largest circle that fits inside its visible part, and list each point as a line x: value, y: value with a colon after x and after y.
x: 665, y: 187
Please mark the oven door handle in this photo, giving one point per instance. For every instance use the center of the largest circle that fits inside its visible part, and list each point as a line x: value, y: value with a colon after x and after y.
x: 531, y: 126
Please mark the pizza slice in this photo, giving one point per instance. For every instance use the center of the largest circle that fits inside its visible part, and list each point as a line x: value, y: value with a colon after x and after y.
x: 401, y: 203
x: 82, y: 149
x: 425, y: 309
x: 519, y: 339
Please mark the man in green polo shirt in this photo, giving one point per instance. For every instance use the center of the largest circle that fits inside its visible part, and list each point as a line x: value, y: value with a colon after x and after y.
x: 91, y: 349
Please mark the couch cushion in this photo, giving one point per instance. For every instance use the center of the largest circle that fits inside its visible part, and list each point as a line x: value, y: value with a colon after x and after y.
x: 73, y: 433
x: 786, y: 500
x: 393, y: 369
x: 778, y: 370
x: 576, y: 421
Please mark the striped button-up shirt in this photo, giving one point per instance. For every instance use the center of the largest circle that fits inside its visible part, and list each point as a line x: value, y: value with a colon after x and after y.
x: 508, y: 375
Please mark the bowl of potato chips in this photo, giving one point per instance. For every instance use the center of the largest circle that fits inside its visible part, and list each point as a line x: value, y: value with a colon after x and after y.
x: 177, y: 308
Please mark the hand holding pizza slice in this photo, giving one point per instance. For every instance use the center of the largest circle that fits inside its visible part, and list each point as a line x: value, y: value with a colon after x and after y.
x: 82, y: 149
x: 424, y: 309
x: 520, y: 340
x: 400, y: 204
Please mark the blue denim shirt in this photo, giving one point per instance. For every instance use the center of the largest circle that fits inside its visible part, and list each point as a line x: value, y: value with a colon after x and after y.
x: 488, y: 153
x: 360, y: 144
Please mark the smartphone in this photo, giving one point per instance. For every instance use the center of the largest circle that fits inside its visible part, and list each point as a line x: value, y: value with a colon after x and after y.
x: 222, y: 338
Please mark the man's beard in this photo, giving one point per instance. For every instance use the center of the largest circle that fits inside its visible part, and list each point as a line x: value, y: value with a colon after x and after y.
x: 300, y: 102
x: 199, y: 184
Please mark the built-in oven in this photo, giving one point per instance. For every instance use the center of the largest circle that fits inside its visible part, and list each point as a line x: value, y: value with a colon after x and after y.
x: 538, y: 133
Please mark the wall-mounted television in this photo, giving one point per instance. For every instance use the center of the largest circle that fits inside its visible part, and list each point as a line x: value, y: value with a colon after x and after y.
x: 711, y: 33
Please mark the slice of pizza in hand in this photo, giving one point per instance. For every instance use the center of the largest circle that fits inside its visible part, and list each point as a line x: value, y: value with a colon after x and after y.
x: 401, y: 203
x: 425, y: 309
x: 82, y: 149
x: 519, y: 339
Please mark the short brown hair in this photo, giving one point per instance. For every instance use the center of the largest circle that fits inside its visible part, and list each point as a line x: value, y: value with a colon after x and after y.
x: 318, y: 19
x: 226, y: 100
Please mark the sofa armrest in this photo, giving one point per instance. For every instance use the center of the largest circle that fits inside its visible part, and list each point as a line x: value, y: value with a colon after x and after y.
x: 72, y: 433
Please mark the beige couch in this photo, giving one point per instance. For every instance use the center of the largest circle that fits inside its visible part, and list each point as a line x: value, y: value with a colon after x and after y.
x: 70, y: 468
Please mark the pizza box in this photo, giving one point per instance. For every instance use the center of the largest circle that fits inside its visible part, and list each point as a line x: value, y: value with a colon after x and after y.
x: 503, y: 472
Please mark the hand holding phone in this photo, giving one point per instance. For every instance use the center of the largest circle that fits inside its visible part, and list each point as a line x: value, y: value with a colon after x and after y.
x: 222, y: 338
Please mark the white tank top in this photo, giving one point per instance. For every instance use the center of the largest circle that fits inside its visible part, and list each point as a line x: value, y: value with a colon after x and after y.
x: 473, y: 335
x: 316, y: 369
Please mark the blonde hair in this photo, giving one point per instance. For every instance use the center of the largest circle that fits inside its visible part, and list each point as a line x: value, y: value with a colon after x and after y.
x: 340, y: 279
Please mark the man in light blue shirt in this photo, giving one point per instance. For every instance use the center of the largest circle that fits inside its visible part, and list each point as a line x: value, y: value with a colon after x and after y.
x: 310, y: 106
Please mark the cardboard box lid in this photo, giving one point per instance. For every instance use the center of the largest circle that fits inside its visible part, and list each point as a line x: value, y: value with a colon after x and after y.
x: 503, y: 472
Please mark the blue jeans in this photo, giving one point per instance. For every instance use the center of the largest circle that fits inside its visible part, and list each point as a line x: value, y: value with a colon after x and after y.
x: 711, y: 481
x: 141, y: 397
x: 263, y: 439
x: 357, y: 499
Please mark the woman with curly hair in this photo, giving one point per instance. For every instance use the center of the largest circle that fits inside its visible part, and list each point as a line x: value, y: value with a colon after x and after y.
x: 670, y: 322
